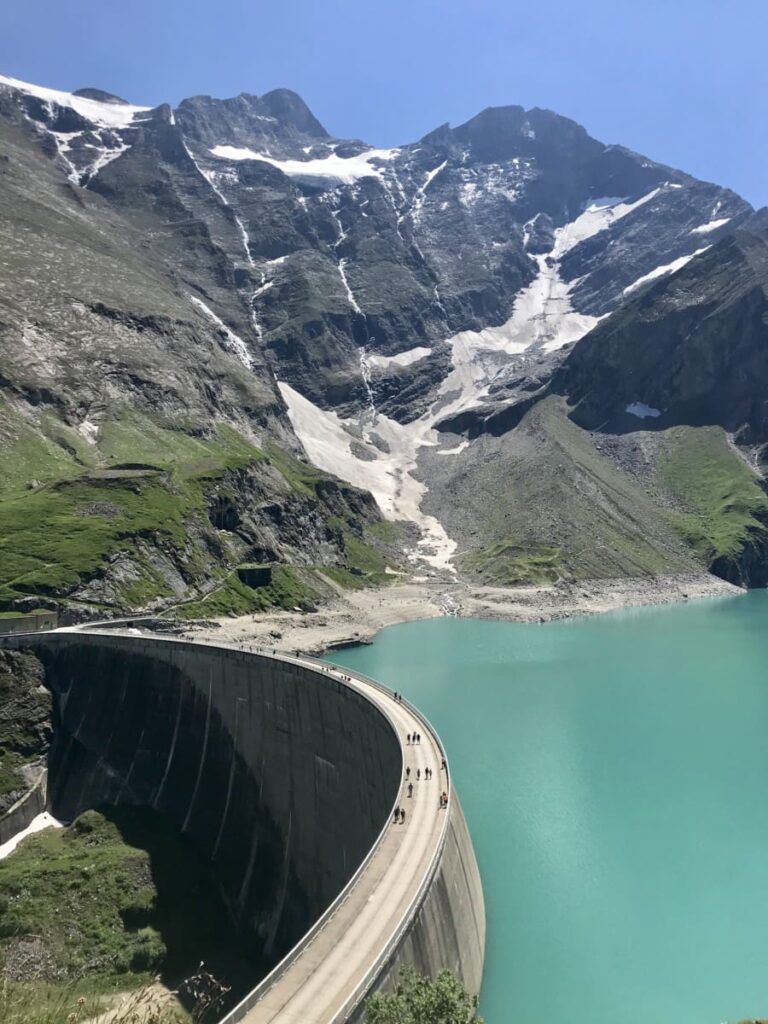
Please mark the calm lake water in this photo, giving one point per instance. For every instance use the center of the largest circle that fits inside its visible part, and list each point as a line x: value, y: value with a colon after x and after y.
x: 614, y: 774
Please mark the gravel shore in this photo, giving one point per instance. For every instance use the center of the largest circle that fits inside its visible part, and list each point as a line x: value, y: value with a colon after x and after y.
x: 356, y: 616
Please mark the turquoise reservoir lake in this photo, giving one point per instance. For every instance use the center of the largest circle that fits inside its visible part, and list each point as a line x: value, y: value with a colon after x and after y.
x: 614, y: 774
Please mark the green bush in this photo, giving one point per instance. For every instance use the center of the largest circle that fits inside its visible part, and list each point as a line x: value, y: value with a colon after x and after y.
x: 421, y: 1000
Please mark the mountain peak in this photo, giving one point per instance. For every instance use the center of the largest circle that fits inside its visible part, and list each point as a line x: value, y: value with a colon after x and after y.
x: 287, y: 106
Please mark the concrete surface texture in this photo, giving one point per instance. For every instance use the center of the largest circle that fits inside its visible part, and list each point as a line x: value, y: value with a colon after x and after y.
x: 21, y: 814
x: 285, y: 773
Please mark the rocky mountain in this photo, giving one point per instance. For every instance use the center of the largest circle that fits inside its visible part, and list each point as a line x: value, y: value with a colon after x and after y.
x: 670, y: 391
x: 691, y: 349
x: 194, y: 300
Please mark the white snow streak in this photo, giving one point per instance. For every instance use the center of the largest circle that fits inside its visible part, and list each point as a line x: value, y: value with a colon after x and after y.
x: 667, y: 268
x: 89, y: 430
x: 419, y: 197
x: 346, y: 169
x: 234, y: 344
x: 210, y: 177
x: 713, y: 225
x: 38, y: 823
x: 342, y: 264
x: 455, y: 451
x: 347, y: 289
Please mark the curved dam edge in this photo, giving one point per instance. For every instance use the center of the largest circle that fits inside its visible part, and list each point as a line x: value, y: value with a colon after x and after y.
x: 285, y: 773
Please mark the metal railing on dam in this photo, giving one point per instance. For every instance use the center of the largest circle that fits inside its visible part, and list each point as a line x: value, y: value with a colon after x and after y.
x: 285, y: 772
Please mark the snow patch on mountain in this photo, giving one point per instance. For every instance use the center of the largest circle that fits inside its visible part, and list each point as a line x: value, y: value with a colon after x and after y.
x: 713, y: 225
x: 543, y: 316
x: 401, y: 359
x: 344, y: 169
x: 106, y: 115
x: 418, y: 199
x: 455, y: 451
x: 388, y: 476
x: 642, y: 411
x: 598, y: 216
x: 663, y: 271
x: 39, y: 822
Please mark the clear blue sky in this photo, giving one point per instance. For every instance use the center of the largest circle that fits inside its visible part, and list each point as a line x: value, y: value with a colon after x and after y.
x: 682, y: 81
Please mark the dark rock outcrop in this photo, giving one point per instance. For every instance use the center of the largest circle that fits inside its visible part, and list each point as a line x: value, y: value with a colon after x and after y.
x: 690, y: 349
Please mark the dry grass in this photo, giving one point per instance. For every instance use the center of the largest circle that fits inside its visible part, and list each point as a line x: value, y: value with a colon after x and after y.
x: 198, y: 1000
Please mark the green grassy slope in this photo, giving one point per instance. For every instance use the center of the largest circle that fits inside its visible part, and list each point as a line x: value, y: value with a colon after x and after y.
x: 550, y: 499
x: 544, y: 501
x: 109, y: 903
x: 725, y: 509
x: 68, y: 509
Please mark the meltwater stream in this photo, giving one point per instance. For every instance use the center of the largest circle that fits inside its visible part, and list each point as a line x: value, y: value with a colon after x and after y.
x: 614, y: 773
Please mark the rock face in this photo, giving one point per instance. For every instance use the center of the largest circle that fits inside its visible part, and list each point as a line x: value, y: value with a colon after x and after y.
x: 230, y: 262
x: 690, y: 349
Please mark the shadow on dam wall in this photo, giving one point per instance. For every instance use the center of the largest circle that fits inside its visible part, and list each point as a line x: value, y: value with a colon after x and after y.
x: 282, y: 777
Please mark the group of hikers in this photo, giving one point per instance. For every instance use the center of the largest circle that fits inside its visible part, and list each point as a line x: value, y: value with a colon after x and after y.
x: 413, y: 738
x: 399, y: 812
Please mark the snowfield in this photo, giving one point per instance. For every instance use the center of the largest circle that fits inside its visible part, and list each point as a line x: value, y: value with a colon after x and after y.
x: 345, y: 169
x: 105, y: 115
x: 109, y: 117
x: 388, y: 476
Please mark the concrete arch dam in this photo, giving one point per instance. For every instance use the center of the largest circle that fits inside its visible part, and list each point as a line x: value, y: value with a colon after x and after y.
x: 284, y: 773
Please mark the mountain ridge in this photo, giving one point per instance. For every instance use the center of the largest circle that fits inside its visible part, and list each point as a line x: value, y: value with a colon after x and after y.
x: 359, y: 305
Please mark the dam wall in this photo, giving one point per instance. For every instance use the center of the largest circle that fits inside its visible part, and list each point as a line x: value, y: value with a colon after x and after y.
x: 281, y: 777
x: 280, y: 772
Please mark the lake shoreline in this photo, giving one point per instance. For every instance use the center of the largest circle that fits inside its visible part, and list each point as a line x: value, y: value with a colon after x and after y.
x: 356, y: 616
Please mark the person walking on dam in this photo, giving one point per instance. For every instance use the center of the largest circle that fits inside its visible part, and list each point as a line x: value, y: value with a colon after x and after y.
x: 408, y: 772
x: 397, y: 815
x: 410, y: 789
x: 402, y: 815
